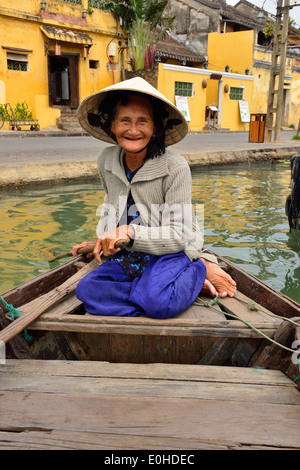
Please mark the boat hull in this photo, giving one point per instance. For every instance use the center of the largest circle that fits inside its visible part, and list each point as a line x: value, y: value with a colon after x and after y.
x: 199, y: 335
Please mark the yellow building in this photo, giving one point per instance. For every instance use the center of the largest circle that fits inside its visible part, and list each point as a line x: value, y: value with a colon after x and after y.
x: 213, y: 96
x: 291, y: 91
x: 219, y: 91
x: 242, y: 53
x: 55, y: 53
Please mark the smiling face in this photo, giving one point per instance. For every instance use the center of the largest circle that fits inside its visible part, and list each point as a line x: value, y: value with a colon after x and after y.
x: 133, y: 126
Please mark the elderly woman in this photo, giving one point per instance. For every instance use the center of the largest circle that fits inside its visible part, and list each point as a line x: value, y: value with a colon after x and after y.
x: 163, y: 268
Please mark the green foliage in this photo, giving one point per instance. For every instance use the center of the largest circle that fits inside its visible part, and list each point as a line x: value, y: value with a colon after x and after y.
x: 270, y: 27
x: 141, y: 43
x: 144, y: 23
x: 20, y: 111
x: 6, y: 111
x: 120, y: 9
x: 150, y: 11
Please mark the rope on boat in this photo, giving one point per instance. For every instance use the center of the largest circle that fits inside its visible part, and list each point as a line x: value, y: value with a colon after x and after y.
x: 15, y: 313
x: 252, y: 306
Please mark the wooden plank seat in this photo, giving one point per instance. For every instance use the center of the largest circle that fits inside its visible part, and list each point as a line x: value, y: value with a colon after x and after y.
x: 199, y: 335
x: 197, y: 320
x: 215, y: 335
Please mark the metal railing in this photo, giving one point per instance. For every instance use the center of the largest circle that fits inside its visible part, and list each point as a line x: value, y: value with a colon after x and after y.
x: 77, y: 2
x: 94, y: 4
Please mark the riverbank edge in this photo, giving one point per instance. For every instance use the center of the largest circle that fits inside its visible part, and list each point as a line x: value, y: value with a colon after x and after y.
x: 83, y: 171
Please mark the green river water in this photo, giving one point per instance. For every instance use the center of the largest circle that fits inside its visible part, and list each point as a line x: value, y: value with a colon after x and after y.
x: 244, y: 221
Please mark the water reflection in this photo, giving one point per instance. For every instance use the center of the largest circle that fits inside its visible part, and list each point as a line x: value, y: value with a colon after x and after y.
x: 244, y: 220
x: 38, y: 222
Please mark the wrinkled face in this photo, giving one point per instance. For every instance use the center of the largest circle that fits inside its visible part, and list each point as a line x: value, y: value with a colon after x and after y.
x: 133, y: 125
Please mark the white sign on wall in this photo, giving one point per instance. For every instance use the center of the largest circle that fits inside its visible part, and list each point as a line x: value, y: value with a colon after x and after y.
x: 244, y: 111
x: 183, y: 106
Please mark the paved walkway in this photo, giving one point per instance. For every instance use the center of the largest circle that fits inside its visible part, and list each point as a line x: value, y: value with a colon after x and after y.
x: 74, y: 158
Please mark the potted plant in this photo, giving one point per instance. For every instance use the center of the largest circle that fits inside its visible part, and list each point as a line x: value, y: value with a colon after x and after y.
x: 144, y: 23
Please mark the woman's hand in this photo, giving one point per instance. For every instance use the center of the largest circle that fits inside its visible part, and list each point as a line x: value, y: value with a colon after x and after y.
x: 106, y: 243
x: 218, y: 281
x: 76, y: 248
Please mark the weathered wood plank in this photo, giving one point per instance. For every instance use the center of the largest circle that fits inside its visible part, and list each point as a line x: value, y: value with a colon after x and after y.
x: 195, y: 321
x: 194, y: 312
x: 138, y: 322
x: 18, y: 348
x: 80, y: 440
x: 219, y: 352
x: 260, y: 424
x: 184, y: 372
x: 53, y: 404
x: 74, y: 440
x: 201, y: 313
x: 250, y: 393
x: 278, y: 358
x: 69, y: 306
x: 32, y: 310
x: 240, y: 305
x: 72, y: 305
x: 207, y: 329
x: 260, y: 292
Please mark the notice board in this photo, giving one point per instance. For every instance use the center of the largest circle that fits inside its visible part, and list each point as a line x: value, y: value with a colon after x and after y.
x: 183, y: 106
x: 244, y: 111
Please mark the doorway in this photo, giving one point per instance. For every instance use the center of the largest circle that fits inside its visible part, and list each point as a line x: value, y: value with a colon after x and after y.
x: 63, y: 80
x: 214, y: 92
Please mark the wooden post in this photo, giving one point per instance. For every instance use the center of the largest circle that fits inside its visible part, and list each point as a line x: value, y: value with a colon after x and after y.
x: 279, y: 51
x: 284, y: 37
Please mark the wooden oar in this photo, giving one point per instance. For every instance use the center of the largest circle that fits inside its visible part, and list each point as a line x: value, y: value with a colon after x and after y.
x: 82, y: 251
x: 35, y: 308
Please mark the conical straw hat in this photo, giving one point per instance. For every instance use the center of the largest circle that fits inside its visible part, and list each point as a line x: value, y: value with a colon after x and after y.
x: 175, y: 123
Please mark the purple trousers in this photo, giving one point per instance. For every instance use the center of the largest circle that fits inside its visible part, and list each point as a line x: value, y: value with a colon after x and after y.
x: 169, y: 285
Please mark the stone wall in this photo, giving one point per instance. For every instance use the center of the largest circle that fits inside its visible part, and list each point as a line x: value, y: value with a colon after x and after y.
x: 193, y: 21
x: 150, y: 75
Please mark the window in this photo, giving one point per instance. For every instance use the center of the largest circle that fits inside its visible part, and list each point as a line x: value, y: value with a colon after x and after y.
x: 17, y: 62
x: 236, y: 93
x: 183, y: 89
x: 94, y: 64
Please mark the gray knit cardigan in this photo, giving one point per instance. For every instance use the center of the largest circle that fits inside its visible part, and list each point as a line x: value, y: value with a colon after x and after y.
x: 161, y: 190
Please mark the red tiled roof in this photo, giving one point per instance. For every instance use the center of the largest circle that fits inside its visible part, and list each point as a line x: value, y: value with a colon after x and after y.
x: 171, y: 48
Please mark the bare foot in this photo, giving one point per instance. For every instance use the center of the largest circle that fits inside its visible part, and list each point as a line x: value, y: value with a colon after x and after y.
x: 221, y: 281
x: 209, y: 289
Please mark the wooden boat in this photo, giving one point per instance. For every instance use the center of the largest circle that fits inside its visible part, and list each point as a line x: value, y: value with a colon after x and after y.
x: 214, y: 335
x: 136, y: 385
